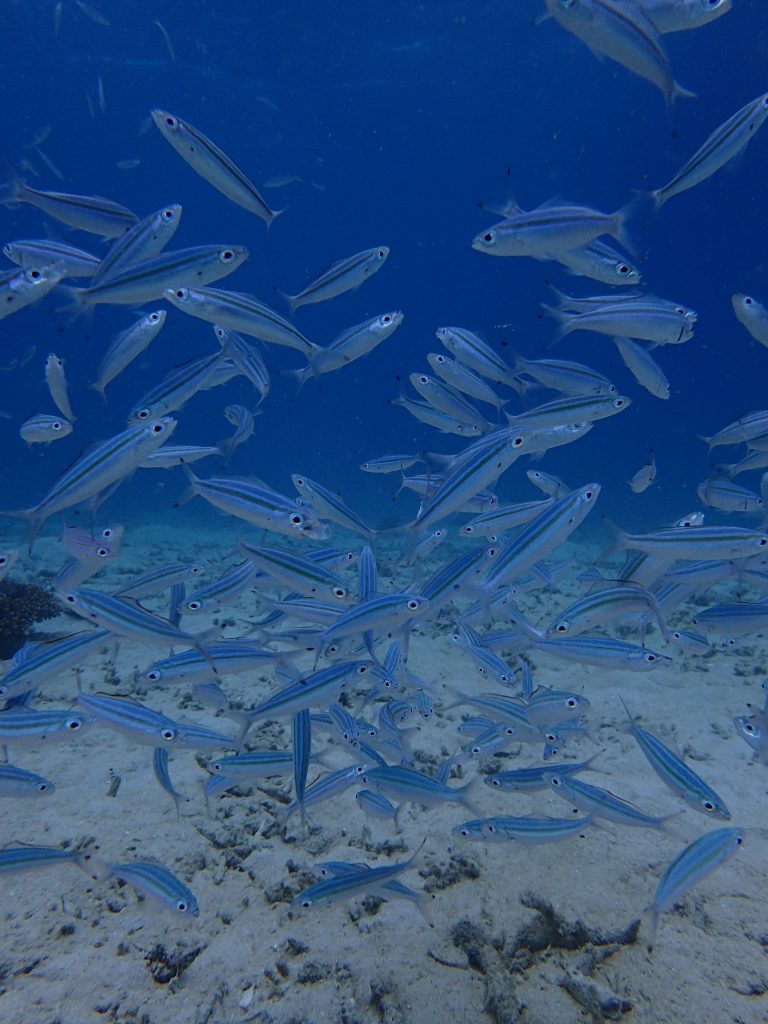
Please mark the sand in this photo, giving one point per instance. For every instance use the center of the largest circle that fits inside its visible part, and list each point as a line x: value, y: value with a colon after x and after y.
x: 536, y: 934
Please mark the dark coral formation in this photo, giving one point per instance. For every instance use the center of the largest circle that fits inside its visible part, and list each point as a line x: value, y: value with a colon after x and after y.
x: 21, y: 606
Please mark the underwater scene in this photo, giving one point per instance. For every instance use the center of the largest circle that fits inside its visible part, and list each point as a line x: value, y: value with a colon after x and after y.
x: 383, y: 536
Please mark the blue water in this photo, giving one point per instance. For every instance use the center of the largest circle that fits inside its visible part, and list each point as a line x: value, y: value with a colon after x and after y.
x: 398, y: 125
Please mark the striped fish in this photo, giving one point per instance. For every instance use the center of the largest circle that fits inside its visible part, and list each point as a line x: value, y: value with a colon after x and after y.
x: 725, y: 143
x: 105, y: 464
x: 342, y: 276
x: 211, y: 163
x: 145, y: 239
x: 691, y: 866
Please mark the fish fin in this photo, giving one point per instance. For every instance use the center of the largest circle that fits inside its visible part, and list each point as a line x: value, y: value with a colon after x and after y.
x: 563, y: 320
x: 289, y: 299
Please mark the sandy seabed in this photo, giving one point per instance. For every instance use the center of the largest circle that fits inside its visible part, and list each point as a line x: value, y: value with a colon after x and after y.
x: 532, y: 934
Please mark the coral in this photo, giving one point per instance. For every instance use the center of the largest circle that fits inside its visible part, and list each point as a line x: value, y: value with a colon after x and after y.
x: 21, y: 606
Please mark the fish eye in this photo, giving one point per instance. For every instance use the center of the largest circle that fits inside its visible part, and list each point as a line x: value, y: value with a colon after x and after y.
x: 619, y: 403
x: 423, y: 379
x: 182, y: 906
x: 382, y: 254
x: 167, y: 215
x: 491, y: 828
x: 467, y: 530
x: 181, y: 293
x: 494, y: 782
x: 517, y: 442
x: 107, y: 533
x: 386, y: 319
x: 765, y: 98
x: 748, y: 300
x: 708, y: 806
x: 571, y: 702
x: 171, y: 121
x: 227, y: 256
x: 748, y: 727
x: 561, y: 627
x: 464, y: 832
x: 339, y: 592
x: 102, y: 552
x: 623, y: 269
x: 143, y: 414
x: 763, y: 541
x: 413, y: 605
x: 158, y: 428
x: 306, y: 904
x: 35, y: 275
x: 74, y: 724
x: 489, y: 237
x: 362, y: 669
x: 41, y: 787
x: 56, y: 425
x: 296, y: 519
x: 168, y: 734
x: 196, y: 570
x: 153, y: 676
x: 589, y: 495
x: 70, y: 598
x: 476, y: 749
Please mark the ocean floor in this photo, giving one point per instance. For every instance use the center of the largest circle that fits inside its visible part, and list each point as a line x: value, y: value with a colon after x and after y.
x: 533, y: 934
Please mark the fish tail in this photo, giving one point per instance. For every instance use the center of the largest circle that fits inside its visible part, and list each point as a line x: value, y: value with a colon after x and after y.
x: 563, y: 320
x: 621, y: 233
x: 77, y: 305
x: 617, y: 542
x: 290, y: 300
x: 16, y: 186
x: 191, y: 490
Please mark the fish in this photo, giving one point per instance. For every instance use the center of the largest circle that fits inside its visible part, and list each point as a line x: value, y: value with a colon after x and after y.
x: 159, y: 886
x: 145, y: 239
x: 600, y: 262
x: 152, y: 278
x: 43, y: 428
x: 552, y: 227
x: 24, y: 287
x: 47, y: 252
x: 18, y: 782
x: 623, y: 33
x: 127, y: 346
x: 528, y: 831
x: 643, y: 367
x: 256, y: 503
x: 204, y: 157
x: 566, y: 376
x: 645, y: 476
x: 600, y: 803
x: 353, y: 883
x: 176, y: 388
x: 642, y: 319
x: 240, y: 312
x: 725, y: 143
x: 57, y: 385
x: 247, y: 357
x: 677, y: 775
x: 107, y: 463
x: 94, y: 214
x: 343, y: 276
x: 752, y: 315
x: 699, y: 859
x: 682, y: 15
x: 350, y: 345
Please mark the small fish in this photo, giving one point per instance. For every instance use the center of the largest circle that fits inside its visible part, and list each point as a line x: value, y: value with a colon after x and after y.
x: 725, y: 143
x: 623, y: 33
x: 47, y: 252
x: 676, y: 774
x: 600, y: 803
x: 682, y: 15
x: 127, y: 346
x: 57, y: 385
x: 147, y: 238
x: 343, y: 276
x: 691, y: 866
x: 90, y: 12
x: 156, y: 884
x: 43, y: 428
x: 17, y: 782
x: 551, y: 228
x: 753, y: 315
x: 643, y: 367
x: 204, y: 157
x: 529, y: 831
x: 88, y: 213
x: 645, y: 476
x: 167, y: 40
x: 600, y: 262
